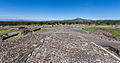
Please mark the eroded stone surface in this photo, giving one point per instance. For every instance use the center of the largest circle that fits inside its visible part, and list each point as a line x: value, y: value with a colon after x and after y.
x: 69, y: 48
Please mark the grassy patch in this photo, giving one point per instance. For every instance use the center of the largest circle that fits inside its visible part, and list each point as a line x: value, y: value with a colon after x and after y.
x: 91, y: 28
x: 115, y: 32
x: 2, y: 32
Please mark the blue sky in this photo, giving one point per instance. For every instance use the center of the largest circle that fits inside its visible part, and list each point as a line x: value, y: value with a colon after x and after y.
x: 59, y: 9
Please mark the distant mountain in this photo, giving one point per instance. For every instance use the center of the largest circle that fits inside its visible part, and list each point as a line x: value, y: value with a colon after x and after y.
x: 88, y: 20
x: 77, y: 20
x: 80, y: 19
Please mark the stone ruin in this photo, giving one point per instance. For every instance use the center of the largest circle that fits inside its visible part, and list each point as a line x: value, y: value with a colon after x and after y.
x: 37, y: 29
x: 1, y: 39
x: 19, y: 31
x: 23, y: 30
x: 6, y: 36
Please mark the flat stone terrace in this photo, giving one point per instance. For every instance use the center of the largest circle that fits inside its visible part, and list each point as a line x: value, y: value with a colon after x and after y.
x: 68, y: 47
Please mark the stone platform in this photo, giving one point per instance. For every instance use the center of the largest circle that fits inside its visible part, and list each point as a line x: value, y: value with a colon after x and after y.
x: 67, y: 47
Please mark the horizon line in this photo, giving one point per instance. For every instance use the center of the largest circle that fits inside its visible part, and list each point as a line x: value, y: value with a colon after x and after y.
x: 34, y: 19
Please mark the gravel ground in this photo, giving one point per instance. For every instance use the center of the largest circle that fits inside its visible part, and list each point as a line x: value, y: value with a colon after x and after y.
x: 69, y: 47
